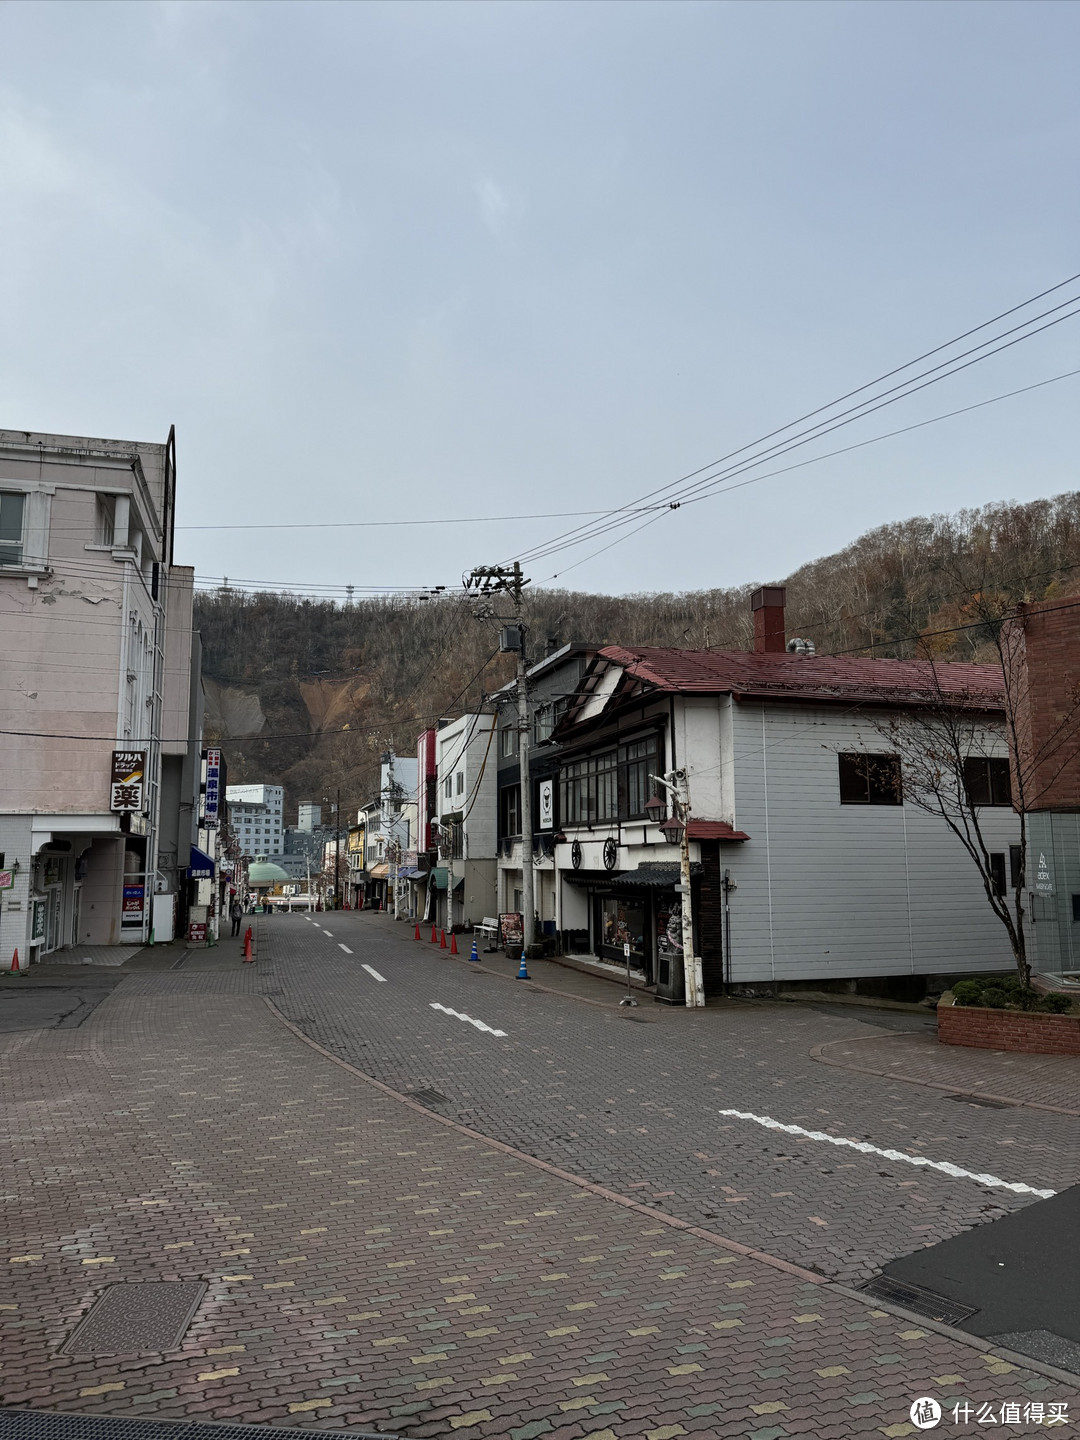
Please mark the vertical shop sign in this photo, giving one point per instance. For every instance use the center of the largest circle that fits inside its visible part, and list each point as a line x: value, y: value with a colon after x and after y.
x: 213, y: 782
x: 126, y: 784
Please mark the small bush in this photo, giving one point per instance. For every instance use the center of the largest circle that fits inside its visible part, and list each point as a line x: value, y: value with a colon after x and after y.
x: 994, y: 998
x: 1056, y: 1004
x: 968, y: 992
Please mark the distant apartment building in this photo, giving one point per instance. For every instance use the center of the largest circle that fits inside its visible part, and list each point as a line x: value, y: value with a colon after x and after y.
x: 101, y: 706
x: 309, y: 816
x: 255, y: 814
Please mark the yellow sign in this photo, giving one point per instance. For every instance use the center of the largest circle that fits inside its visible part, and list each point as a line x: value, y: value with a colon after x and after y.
x: 356, y: 840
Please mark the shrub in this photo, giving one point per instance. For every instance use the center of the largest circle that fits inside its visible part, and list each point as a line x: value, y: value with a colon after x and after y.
x: 995, y: 998
x: 968, y: 992
x: 1056, y: 1004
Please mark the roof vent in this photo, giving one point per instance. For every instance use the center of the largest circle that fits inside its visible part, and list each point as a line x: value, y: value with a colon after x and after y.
x: 800, y: 647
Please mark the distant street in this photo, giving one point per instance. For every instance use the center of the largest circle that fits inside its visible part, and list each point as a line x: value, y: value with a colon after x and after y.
x: 371, y: 1266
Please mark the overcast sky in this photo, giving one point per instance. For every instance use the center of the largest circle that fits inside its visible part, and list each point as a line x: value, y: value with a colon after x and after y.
x: 404, y: 261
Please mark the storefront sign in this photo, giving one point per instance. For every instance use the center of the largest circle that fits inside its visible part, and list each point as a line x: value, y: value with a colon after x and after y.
x: 126, y: 785
x: 547, y: 805
x: 1044, y: 882
x: 511, y: 929
x: 211, y: 800
x: 197, y: 933
x: 37, y: 923
x: 131, y: 912
x: 7, y: 879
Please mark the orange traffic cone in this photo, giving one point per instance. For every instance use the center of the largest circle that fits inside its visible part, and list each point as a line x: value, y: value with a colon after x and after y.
x: 417, y: 935
x: 453, y: 943
x: 15, y: 962
x: 249, y: 955
x: 434, y: 935
x: 442, y: 939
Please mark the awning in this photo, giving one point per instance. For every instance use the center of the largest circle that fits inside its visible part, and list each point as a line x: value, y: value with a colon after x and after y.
x: 379, y: 872
x: 459, y: 884
x: 653, y: 875
x: 200, y: 866
x: 714, y: 830
x: 411, y: 873
x: 439, y: 877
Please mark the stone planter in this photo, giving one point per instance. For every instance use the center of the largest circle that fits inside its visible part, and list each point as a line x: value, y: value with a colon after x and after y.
x: 985, y: 1029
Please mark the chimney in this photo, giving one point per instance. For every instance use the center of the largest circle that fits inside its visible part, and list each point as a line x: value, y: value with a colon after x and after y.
x: 767, y: 603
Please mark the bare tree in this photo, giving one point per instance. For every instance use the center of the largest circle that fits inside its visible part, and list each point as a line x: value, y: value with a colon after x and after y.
x: 968, y: 744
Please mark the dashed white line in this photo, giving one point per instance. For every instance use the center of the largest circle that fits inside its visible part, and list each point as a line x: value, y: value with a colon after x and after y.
x: 344, y: 947
x: 990, y: 1181
x: 435, y: 1005
x: 373, y: 973
x: 329, y: 932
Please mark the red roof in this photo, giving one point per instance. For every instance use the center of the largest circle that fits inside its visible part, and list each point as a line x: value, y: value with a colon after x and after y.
x: 809, y: 677
x: 713, y: 830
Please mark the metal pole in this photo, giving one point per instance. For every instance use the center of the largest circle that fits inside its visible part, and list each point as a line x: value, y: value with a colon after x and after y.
x: 628, y: 998
x: 528, y: 925
x: 337, y: 845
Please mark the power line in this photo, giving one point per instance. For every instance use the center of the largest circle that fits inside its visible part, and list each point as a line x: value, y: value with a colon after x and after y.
x: 622, y: 514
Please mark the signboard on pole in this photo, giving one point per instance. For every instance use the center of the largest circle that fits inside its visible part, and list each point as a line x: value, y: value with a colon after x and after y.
x: 212, y: 798
x: 547, y: 805
x: 127, y: 781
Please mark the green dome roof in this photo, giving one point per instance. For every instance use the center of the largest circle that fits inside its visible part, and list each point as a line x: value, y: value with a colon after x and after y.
x: 261, y: 872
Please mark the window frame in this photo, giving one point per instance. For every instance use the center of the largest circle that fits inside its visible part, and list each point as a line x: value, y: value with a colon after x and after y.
x: 865, y: 788
x: 13, y: 552
x: 988, y: 776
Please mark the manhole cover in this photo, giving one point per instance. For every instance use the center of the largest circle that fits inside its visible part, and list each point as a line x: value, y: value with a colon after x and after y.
x: 913, y: 1297
x: 428, y: 1096
x: 146, y: 1315
x: 983, y: 1100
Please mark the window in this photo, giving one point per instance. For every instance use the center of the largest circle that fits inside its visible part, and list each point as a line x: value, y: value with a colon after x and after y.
x: 510, y: 810
x: 543, y: 723
x: 870, y: 780
x: 460, y: 782
x: 448, y: 788
x: 12, y: 505
x: 997, y: 873
x: 508, y: 741
x: 612, y: 786
x: 987, y: 780
x: 105, y: 520
x: 1076, y: 908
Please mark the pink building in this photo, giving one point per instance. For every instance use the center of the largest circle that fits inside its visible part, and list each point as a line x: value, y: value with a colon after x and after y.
x: 100, y: 708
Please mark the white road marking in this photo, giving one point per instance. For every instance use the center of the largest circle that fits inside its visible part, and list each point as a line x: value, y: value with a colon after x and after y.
x: 329, y: 932
x: 467, y: 1018
x: 373, y: 973
x: 991, y: 1181
x: 344, y: 947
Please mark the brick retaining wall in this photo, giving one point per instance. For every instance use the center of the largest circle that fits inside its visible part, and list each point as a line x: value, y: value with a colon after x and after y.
x: 986, y: 1029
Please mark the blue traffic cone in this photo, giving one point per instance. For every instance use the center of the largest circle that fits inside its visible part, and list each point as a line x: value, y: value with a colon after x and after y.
x: 523, y: 973
x: 474, y: 955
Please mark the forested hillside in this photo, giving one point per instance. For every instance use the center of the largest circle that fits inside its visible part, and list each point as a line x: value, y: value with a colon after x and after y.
x: 306, y: 693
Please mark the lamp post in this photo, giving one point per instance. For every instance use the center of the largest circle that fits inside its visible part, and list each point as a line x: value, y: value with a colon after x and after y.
x: 675, y: 830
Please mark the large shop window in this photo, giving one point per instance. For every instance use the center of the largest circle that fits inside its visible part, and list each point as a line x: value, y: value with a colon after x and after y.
x: 611, y: 786
x: 622, y: 921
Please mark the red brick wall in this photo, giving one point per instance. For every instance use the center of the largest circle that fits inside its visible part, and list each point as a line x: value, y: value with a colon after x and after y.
x: 1044, y: 664
x: 1008, y: 1030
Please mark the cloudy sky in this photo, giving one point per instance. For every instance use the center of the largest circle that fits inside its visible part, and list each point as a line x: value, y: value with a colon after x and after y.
x: 392, y: 262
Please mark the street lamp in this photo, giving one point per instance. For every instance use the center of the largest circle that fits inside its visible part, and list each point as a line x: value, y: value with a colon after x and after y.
x: 672, y: 829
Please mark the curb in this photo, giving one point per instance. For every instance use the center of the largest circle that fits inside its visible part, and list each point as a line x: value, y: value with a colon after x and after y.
x: 817, y: 1052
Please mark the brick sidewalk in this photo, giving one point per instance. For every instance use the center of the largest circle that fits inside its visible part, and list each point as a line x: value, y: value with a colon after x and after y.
x: 1044, y: 1082
x: 372, y: 1266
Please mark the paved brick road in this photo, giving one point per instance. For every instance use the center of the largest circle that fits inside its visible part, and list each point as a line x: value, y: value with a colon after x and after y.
x: 371, y: 1266
x: 632, y: 1098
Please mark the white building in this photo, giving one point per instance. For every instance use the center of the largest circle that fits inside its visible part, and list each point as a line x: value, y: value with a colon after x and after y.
x: 461, y: 889
x: 255, y: 814
x: 809, y: 863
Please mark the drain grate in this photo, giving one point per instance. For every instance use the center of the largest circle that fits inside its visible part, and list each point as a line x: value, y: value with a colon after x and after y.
x: 429, y: 1097
x: 927, y: 1303
x: 140, y: 1316
x: 40, y: 1425
x: 983, y: 1100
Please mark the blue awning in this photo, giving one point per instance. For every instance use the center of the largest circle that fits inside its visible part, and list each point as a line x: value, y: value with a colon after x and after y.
x: 200, y: 866
x: 411, y: 873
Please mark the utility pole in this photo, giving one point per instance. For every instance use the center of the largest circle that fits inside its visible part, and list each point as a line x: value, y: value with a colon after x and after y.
x: 508, y: 580
x: 677, y: 784
x: 337, y: 846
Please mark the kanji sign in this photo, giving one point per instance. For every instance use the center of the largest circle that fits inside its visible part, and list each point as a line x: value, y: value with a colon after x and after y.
x: 126, y: 783
x: 212, y: 797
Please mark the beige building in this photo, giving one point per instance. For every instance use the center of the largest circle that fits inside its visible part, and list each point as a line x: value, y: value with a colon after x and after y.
x: 100, y: 703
